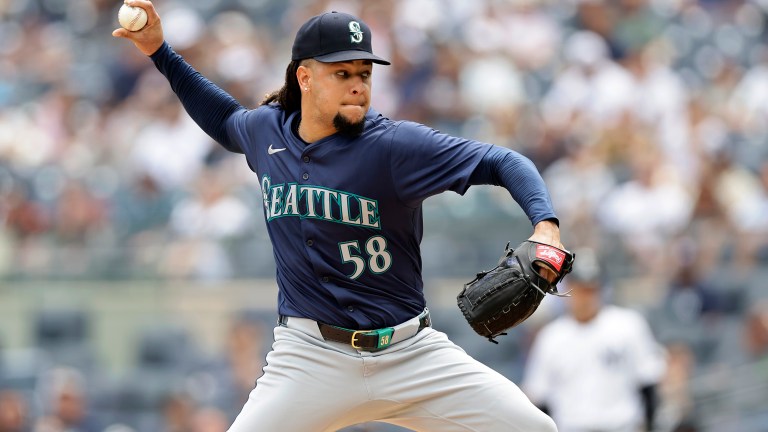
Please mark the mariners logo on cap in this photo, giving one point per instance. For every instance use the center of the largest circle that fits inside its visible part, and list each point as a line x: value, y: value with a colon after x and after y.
x: 356, y: 33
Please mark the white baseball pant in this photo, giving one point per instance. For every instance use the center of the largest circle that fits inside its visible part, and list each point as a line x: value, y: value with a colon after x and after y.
x: 424, y: 383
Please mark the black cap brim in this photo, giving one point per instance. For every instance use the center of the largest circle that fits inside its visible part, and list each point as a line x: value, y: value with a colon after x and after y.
x: 342, y: 56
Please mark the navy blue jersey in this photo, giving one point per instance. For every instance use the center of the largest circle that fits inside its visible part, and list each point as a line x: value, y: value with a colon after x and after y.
x: 344, y: 214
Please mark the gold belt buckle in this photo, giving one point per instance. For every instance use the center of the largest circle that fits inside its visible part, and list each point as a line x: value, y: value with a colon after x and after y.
x: 356, y: 339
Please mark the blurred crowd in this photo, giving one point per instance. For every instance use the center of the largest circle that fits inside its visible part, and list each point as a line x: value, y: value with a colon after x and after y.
x: 647, y: 119
x: 172, y: 385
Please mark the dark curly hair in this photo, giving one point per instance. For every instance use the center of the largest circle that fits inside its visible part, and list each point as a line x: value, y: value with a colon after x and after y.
x: 289, y: 96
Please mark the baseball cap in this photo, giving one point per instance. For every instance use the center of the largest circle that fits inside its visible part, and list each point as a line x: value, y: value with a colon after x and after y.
x: 586, y: 267
x: 334, y: 37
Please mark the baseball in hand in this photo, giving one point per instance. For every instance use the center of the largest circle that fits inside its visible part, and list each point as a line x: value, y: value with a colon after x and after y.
x: 132, y: 18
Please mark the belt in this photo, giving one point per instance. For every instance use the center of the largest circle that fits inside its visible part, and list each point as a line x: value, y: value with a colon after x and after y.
x: 372, y: 340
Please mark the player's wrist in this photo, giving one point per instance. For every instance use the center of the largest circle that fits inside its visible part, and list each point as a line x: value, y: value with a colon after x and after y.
x: 548, y: 232
x: 163, y: 48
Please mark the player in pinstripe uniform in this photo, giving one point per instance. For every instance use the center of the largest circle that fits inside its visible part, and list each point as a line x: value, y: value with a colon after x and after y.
x: 596, y: 368
x: 342, y: 187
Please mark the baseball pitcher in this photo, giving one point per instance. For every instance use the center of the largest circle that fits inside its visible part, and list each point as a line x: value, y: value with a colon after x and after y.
x: 342, y: 187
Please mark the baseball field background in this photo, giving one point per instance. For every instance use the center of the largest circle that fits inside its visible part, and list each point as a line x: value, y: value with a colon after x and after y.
x: 136, y: 278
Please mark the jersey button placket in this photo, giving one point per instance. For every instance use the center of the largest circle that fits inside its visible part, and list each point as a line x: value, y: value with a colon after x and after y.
x: 305, y: 176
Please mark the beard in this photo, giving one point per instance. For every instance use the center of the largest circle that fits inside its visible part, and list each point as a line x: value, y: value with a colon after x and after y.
x: 348, y: 128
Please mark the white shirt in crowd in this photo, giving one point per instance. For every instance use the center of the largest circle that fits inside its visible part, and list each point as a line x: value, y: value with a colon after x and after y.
x: 589, y: 374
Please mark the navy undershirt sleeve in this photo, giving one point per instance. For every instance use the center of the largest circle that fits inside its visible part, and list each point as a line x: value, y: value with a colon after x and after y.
x: 207, y: 104
x: 504, y: 167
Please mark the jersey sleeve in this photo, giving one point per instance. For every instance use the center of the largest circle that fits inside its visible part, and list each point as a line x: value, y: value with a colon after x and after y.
x: 207, y: 104
x: 241, y: 127
x: 504, y: 167
x: 425, y: 162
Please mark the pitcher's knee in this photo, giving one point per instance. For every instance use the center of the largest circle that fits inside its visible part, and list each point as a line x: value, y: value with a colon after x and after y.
x: 546, y: 424
x: 532, y: 420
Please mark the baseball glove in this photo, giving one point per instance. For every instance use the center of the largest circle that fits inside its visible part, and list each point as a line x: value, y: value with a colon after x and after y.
x: 503, y: 297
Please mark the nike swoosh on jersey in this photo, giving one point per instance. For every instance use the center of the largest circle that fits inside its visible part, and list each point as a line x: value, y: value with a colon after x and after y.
x: 272, y: 151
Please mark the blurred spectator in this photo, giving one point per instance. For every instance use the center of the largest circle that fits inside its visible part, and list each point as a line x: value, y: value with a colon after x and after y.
x: 177, y: 412
x: 599, y: 17
x: 245, y: 351
x: 738, y: 190
x: 597, y: 356
x: 578, y: 183
x: 753, y: 215
x: 141, y: 210
x: 181, y: 413
x: 742, y: 387
x: 532, y: 36
x: 14, y: 412
x: 79, y: 215
x: 209, y: 419
x: 592, y: 91
x: 637, y: 24
x: 748, y: 103
x: 24, y: 222
x: 710, y: 228
x: 156, y: 149
x: 202, y: 224
x: 660, y: 104
x: 22, y: 215
x: 648, y: 210
x: 234, y: 371
x: 756, y: 333
x: 63, y: 397
x: 691, y: 299
x: 676, y: 405
x: 141, y: 207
